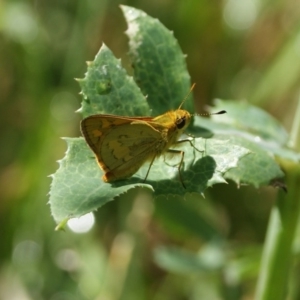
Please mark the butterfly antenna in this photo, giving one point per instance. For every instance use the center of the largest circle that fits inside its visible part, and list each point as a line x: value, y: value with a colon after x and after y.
x: 221, y: 112
x: 192, y: 87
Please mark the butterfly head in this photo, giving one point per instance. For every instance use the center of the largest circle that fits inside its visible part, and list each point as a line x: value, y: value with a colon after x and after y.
x: 182, y: 119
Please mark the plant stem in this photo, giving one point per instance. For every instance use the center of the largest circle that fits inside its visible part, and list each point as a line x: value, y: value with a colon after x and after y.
x: 276, y: 259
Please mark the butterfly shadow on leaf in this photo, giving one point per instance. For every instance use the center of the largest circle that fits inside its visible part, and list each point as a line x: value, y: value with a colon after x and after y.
x: 195, y: 178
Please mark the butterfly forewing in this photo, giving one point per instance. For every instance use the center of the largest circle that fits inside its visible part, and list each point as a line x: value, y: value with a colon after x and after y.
x: 120, y: 144
x: 94, y: 129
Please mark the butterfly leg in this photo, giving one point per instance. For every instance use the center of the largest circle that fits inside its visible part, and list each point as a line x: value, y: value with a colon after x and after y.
x: 180, y: 163
x: 191, y: 143
x: 154, y: 156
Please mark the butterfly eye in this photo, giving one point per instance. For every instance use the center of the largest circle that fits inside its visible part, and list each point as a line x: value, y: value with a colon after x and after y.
x: 180, y: 123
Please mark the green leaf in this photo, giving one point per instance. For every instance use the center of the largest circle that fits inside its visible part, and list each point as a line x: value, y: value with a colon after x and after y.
x: 254, y: 129
x: 251, y: 119
x: 160, y: 69
x: 159, y: 65
x: 248, y: 123
x: 77, y: 187
x: 107, y: 88
x: 257, y: 168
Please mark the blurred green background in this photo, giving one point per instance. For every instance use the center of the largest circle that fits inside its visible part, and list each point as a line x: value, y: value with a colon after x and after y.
x: 138, y: 248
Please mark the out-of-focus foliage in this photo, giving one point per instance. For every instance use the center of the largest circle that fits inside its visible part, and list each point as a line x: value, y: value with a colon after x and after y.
x: 198, y: 248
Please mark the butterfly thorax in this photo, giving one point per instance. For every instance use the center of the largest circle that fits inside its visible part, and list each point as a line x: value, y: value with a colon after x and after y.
x: 174, y: 123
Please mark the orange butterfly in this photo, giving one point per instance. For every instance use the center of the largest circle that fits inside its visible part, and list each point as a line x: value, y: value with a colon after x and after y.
x: 123, y: 144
